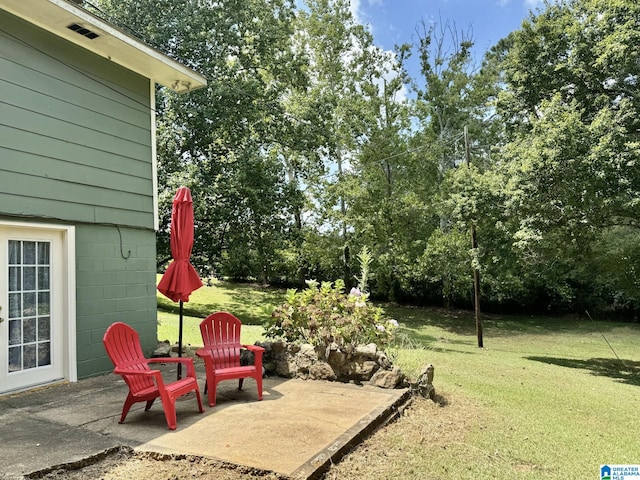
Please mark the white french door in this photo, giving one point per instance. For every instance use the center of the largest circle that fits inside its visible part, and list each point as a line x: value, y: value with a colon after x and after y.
x: 34, y: 337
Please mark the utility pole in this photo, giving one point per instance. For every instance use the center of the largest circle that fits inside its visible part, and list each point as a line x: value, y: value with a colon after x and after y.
x: 474, y: 246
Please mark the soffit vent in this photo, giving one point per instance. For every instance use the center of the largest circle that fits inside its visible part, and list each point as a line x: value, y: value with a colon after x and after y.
x: 85, y: 32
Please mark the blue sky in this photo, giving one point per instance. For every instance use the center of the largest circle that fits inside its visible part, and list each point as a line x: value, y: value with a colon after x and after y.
x: 395, y: 21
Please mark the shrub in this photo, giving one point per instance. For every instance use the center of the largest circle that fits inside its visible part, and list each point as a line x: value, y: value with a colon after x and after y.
x: 322, y: 315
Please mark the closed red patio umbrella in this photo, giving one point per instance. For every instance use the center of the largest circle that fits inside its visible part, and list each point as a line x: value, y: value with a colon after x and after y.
x: 180, y: 279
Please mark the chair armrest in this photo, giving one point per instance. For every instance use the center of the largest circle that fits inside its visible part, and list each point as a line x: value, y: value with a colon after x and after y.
x: 203, y: 352
x: 124, y: 371
x: 191, y: 371
x: 170, y: 360
x: 253, y: 348
x: 257, y: 353
x: 206, y: 355
x: 157, y: 374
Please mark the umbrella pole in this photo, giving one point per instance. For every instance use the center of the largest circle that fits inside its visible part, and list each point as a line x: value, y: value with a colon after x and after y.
x: 180, y: 343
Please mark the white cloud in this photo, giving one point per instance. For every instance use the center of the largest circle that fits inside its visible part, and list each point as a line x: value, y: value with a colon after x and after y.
x: 355, y: 10
x: 358, y: 11
x: 529, y: 4
x: 360, y: 16
x: 388, y: 75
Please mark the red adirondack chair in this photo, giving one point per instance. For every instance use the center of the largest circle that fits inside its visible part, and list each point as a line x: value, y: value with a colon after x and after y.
x: 221, y: 353
x: 122, y: 344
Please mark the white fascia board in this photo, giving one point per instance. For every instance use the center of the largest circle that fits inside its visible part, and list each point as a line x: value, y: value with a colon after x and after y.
x: 55, y: 16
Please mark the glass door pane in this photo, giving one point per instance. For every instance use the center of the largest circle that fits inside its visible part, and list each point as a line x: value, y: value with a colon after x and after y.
x: 29, y: 305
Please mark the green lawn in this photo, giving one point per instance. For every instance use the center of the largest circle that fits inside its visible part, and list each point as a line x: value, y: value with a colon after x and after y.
x: 245, y: 301
x: 545, y: 399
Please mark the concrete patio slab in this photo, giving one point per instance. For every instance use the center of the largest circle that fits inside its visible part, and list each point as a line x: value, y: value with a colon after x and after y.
x: 296, y: 430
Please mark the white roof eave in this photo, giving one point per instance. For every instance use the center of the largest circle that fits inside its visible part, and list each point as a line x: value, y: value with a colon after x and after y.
x: 112, y: 43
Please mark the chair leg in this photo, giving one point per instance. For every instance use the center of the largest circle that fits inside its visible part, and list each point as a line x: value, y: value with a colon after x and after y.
x: 212, y: 393
x: 240, y: 380
x: 130, y: 400
x: 197, y: 390
x: 259, y: 382
x: 149, y: 403
x: 170, y: 415
x: 169, y: 407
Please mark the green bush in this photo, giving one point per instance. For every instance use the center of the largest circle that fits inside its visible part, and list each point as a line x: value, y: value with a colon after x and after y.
x: 322, y: 315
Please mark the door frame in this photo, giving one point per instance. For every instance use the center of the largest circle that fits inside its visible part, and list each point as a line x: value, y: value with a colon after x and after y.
x: 68, y: 233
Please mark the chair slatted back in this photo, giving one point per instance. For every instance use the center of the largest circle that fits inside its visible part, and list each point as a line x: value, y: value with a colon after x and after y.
x: 122, y: 344
x: 221, y: 336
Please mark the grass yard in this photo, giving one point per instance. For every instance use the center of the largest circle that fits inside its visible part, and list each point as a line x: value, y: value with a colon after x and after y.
x: 545, y: 399
x: 245, y: 301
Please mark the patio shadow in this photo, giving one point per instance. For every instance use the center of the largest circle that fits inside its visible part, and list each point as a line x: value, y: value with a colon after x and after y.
x: 626, y: 371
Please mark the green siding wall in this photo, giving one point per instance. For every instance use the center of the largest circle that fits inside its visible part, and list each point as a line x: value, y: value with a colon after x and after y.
x: 111, y: 289
x: 75, y: 148
x: 75, y: 132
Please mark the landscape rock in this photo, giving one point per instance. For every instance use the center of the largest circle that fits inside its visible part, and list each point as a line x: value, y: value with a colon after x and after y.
x: 368, y: 350
x: 365, y: 370
x: 247, y: 357
x: 393, y: 378
x: 383, y: 360
x: 348, y: 364
x: 286, y: 368
x: 337, y: 359
x: 424, y: 385
x: 163, y: 350
x: 322, y: 371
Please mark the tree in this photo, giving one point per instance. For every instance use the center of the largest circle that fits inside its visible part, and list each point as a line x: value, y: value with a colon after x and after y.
x: 454, y: 99
x: 347, y: 73
x: 219, y: 139
x: 386, y: 186
x: 572, y: 108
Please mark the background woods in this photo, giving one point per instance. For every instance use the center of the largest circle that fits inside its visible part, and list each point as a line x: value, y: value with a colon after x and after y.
x: 311, y: 142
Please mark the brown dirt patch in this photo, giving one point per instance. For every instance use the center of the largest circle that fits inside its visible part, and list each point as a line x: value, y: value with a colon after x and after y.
x: 125, y: 464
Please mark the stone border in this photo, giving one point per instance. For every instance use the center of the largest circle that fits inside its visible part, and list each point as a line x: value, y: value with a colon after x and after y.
x: 359, y: 365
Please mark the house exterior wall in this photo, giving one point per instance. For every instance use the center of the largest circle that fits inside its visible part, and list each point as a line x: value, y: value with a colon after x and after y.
x: 76, y: 148
x: 115, y: 283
